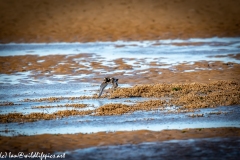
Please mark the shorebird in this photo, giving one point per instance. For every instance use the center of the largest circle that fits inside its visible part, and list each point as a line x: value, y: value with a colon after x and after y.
x: 114, y: 82
x: 105, y: 82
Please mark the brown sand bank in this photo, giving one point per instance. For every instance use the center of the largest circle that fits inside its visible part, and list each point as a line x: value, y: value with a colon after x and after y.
x: 107, y: 20
x: 49, y: 143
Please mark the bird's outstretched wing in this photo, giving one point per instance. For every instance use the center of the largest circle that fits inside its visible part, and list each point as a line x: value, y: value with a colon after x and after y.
x: 102, y: 86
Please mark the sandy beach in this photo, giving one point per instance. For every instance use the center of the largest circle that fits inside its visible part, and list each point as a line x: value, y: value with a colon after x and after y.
x: 105, y: 20
x: 173, y: 70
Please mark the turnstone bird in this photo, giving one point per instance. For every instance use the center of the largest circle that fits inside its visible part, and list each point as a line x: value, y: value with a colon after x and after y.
x: 114, y: 82
x: 105, y: 82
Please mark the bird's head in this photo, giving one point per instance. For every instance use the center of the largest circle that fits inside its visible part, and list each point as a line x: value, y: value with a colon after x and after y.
x: 107, y: 79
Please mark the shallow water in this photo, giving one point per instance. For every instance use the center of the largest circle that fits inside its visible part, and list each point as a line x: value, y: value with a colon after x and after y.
x: 139, y: 55
x: 151, y: 120
x: 137, y: 121
x: 204, y: 148
x: 120, y: 49
x: 201, y: 148
x: 18, y: 86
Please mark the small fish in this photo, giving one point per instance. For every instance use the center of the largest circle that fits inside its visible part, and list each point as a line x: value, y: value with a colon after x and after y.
x: 105, y: 82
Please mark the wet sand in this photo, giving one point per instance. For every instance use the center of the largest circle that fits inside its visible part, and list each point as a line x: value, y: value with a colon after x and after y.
x: 215, y: 84
x: 191, y: 85
x: 203, y: 148
x: 91, y: 64
x: 188, y: 97
x: 50, y: 143
x: 105, y: 20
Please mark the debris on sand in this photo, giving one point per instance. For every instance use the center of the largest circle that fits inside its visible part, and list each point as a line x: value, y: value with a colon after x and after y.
x: 19, y: 117
x: 184, y: 97
x: 189, y: 95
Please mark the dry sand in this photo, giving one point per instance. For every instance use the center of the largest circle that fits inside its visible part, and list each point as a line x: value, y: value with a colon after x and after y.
x: 107, y: 20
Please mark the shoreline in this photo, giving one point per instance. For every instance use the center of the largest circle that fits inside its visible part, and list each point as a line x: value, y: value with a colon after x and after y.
x: 51, y: 143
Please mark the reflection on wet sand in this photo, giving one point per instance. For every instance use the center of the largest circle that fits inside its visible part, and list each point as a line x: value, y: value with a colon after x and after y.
x: 57, y: 94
